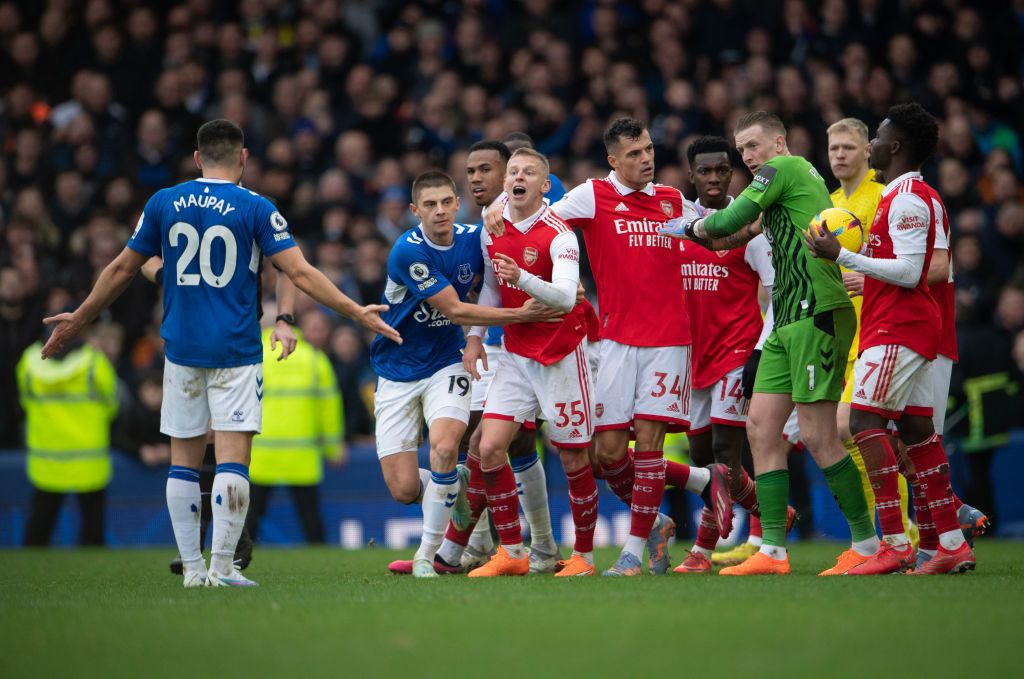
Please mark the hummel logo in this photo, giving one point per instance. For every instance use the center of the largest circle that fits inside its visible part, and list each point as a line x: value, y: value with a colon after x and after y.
x: 621, y: 207
x: 674, y: 408
x: 575, y: 434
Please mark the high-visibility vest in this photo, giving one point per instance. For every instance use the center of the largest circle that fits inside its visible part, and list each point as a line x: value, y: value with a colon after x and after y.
x: 69, y: 404
x: 302, y: 418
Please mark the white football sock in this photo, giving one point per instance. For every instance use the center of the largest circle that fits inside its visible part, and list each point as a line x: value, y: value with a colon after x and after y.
x: 229, y: 501
x: 451, y: 552
x: 897, y: 540
x: 438, y: 499
x: 755, y: 540
x: 951, y: 540
x: 481, y: 540
x: 635, y: 546
x: 866, y: 547
x: 699, y: 478
x: 424, y: 480
x: 533, y: 498
x: 701, y: 550
x: 773, y: 551
x: 184, y: 504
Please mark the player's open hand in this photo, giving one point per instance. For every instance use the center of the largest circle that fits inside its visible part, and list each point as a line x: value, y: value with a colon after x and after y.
x: 474, y: 352
x: 284, y: 334
x: 493, y: 221
x: 853, y: 282
x: 369, y: 316
x: 535, y: 312
x: 67, y: 328
x: 822, y: 242
x: 580, y: 293
x: 506, y: 269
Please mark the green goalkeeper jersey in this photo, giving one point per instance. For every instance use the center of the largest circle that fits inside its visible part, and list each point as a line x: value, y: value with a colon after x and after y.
x: 790, y: 192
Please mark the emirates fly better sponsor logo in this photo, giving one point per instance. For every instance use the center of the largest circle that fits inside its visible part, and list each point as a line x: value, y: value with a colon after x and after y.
x: 643, y: 232
x: 698, y: 276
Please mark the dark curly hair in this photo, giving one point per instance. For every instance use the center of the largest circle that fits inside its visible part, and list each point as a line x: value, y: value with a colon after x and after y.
x: 916, y: 129
x: 492, y: 145
x: 706, y: 144
x: 630, y: 128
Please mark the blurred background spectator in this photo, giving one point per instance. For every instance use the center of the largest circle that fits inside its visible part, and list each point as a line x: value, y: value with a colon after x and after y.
x: 343, y: 103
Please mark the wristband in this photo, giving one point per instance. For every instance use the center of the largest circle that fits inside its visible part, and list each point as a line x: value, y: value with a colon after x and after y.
x: 287, y: 318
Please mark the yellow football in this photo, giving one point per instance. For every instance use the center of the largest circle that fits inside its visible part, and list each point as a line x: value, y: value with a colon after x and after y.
x: 843, y: 224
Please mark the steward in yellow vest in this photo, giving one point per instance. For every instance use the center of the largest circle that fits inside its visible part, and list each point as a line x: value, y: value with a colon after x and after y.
x: 69, y: 403
x: 302, y: 425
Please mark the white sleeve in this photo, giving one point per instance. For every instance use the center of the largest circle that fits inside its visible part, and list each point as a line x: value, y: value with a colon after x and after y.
x: 769, y: 321
x: 904, y: 271
x: 758, y: 257
x: 909, y: 218
x: 560, y: 293
x: 577, y: 204
x: 490, y: 295
x: 941, y: 237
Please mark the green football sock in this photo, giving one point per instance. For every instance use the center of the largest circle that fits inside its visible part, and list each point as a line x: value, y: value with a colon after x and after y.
x: 845, y: 483
x: 772, y: 497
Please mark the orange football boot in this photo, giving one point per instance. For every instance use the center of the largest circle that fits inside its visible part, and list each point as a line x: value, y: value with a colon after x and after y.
x: 759, y: 564
x: 502, y: 563
x: 574, y: 566
x: 845, y: 562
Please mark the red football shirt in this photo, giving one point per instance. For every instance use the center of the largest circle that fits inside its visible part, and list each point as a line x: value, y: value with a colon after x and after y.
x: 721, y: 298
x: 904, y: 224
x: 639, y: 282
x: 942, y: 291
x: 544, y: 342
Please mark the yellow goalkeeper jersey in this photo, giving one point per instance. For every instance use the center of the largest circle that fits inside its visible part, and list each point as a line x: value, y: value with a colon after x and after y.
x: 863, y: 203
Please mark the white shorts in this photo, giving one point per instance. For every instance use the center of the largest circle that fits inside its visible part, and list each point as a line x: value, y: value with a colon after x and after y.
x: 559, y: 393
x: 494, y: 354
x: 891, y: 380
x: 644, y: 383
x: 196, y: 399
x: 791, y: 430
x: 401, y: 408
x: 942, y: 372
x: 721, y: 403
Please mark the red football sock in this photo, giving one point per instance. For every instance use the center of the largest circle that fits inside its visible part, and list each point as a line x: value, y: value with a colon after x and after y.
x: 477, y: 496
x: 583, y: 502
x: 747, y: 495
x: 883, y: 473
x: 503, y: 501
x: 676, y: 474
x: 755, y: 526
x: 707, y: 533
x: 932, y: 468
x: 648, y: 490
x: 619, y: 478
x: 923, y: 517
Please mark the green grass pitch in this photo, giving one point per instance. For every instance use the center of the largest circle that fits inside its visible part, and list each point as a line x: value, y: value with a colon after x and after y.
x: 327, y: 612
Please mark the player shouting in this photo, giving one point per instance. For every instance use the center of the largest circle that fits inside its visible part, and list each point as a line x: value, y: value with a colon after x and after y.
x: 211, y: 232
x: 801, y: 361
x: 645, y: 341
x: 900, y: 333
x: 431, y: 270
x: 544, y: 369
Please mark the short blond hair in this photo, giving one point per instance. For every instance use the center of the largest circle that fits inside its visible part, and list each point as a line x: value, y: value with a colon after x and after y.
x: 851, y: 125
x: 533, y: 153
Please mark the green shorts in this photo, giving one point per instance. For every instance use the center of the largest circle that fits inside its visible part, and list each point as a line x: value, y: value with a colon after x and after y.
x: 808, y: 358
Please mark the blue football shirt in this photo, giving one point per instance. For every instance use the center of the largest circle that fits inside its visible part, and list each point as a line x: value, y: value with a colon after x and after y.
x: 417, y: 269
x: 211, y: 234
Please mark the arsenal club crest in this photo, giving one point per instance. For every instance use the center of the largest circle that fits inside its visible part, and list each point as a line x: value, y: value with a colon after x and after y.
x: 530, y: 256
x: 599, y: 409
x: 666, y: 207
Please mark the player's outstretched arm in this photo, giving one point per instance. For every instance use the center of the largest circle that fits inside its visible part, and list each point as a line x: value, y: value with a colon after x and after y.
x: 312, y: 282
x: 455, y: 310
x: 109, y: 286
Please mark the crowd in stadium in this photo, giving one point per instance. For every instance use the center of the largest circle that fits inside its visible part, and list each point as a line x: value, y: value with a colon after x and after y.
x: 342, y: 104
